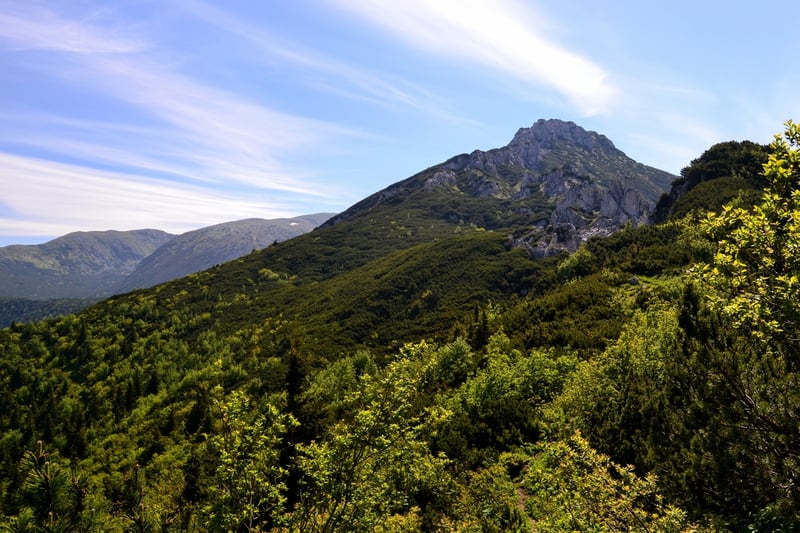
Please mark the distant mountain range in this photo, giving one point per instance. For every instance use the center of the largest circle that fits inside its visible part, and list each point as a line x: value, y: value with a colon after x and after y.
x: 82, y: 267
x: 81, y: 264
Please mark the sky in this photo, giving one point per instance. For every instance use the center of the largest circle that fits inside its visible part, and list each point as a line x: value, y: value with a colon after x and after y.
x: 179, y: 114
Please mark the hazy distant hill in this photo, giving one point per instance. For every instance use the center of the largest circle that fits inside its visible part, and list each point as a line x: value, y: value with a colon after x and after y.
x: 203, y: 248
x: 78, y: 265
x: 73, y: 271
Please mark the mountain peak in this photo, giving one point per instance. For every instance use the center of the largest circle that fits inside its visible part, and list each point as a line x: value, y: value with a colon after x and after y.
x: 552, y: 187
x: 551, y: 133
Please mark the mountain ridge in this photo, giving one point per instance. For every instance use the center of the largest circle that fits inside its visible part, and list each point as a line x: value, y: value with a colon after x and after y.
x: 76, y: 265
x: 197, y: 250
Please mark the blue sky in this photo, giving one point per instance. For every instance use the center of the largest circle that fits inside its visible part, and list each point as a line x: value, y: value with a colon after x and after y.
x: 176, y: 114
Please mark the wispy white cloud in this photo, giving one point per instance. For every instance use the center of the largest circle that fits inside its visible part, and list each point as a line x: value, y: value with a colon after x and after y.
x: 58, y: 198
x: 31, y: 26
x: 329, y: 74
x: 203, y: 132
x: 209, y: 126
x: 112, y: 145
x: 150, y: 150
x: 500, y: 34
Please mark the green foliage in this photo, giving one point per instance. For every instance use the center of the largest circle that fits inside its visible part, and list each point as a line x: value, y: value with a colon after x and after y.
x: 618, y: 400
x: 326, y: 398
x: 729, y: 456
x: 743, y: 339
x: 754, y: 281
x: 411, y: 294
x: 755, y: 275
x: 571, y: 487
x: 645, y: 250
x: 52, y: 497
x: 497, y: 407
x: 580, y: 314
x: 578, y: 264
x: 722, y: 190
x: 373, y: 463
x: 24, y: 310
x: 489, y: 500
x: 452, y: 363
x: 246, y: 491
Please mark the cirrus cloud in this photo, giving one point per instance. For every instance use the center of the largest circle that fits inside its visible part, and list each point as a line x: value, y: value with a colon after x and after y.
x: 498, y: 34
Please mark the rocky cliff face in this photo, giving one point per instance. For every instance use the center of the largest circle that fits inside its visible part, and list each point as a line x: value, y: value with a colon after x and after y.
x: 582, y: 211
x: 590, y: 187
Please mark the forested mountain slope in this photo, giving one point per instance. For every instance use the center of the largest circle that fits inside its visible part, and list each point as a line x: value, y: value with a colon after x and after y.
x: 723, y: 172
x: 402, y: 369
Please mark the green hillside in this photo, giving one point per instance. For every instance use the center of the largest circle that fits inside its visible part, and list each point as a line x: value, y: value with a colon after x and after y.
x: 26, y: 310
x: 722, y: 173
x: 407, y: 368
